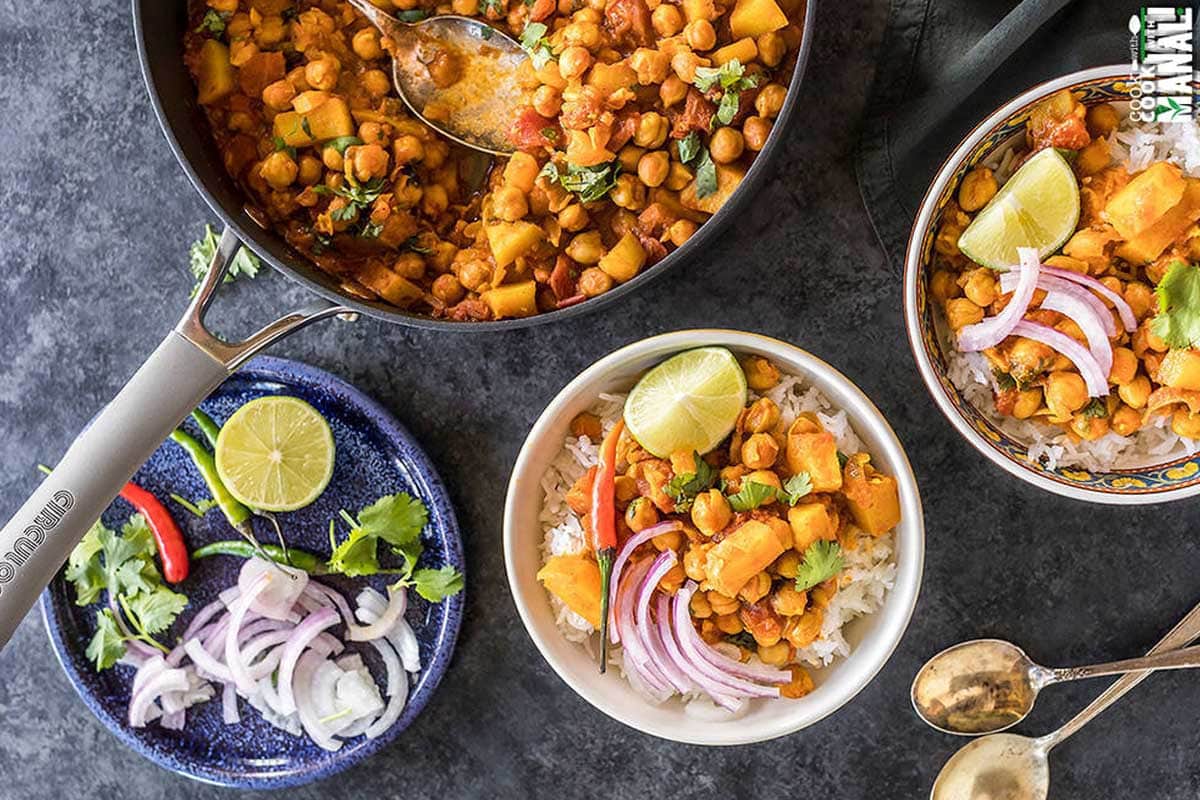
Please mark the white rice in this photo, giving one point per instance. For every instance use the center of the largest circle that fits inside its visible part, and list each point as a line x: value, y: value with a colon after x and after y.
x: 870, y: 569
x: 1137, y: 146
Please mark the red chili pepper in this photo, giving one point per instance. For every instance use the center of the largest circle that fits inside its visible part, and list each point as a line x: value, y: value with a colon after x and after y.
x: 604, y: 525
x: 171, y: 548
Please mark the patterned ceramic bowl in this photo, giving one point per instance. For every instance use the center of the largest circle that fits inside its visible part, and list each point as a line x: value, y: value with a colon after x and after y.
x: 1150, y: 484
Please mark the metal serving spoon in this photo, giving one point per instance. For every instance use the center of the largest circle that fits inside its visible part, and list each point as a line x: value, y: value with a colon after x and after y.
x: 477, y: 108
x: 1006, y: 766
x: 989, y: 685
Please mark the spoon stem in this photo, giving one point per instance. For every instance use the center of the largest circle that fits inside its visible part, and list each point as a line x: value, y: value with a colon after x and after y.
x: 1187, y: 631
x: 1177, y: 659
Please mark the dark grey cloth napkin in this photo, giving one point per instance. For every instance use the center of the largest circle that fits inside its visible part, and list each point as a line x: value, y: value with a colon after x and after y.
x: 944, y: 65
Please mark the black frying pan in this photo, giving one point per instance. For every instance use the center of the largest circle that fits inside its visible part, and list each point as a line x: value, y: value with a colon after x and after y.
x: 191, y: 362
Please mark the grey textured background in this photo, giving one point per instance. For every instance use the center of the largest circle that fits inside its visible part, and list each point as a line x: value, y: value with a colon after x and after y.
x: 95, y: 217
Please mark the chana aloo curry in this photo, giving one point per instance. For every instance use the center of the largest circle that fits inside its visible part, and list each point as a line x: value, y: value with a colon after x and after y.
x: 640, y: 120
x: 763, y: 519
x: 1137, y: 236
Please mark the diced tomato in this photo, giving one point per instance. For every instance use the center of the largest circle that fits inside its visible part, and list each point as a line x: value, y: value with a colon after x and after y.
x: 629, y: 20
x: 1006, y: 401
x: 564, y: 278
x: 623, y: 129
x: 655, y: 251
x: 656, y: 219
x: 1069, y: 134
x: 261, y: 71
x: 530, y: 130
x: 696, y: 115
x: 542, y: 9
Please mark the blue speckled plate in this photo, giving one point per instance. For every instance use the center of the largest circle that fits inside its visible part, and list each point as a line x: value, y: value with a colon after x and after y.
x: 375, y: 456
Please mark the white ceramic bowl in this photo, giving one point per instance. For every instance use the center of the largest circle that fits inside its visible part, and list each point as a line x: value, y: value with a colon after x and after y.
x: 873, y: 638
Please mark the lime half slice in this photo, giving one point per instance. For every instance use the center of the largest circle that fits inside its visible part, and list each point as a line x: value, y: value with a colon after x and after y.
x: 275, y: 454
x: 689, y: 402
x: 1038, y: 207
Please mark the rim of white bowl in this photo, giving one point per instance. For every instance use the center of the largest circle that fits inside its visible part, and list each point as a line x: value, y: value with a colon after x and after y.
x: 912, y: 321
x: 867, y: 659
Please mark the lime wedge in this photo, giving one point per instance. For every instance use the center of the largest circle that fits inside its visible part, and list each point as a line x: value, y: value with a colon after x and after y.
x: 1038, y: 207
x: 275, y: 454
x: 689, y: 402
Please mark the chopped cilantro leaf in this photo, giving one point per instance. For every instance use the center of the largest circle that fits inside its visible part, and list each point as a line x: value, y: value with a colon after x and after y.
x: 684, y: 487
x: 706, y: 175
x: 412, y: 15
x: 1178, y: 320
x: 107, y: 644
x: 751, y: 496
x: 731, y: 79
x: 342, y: 142
x: 590, y: 183
x: 535, y: 43
x: 795, y: 487
x: 822, y: 560
x: 689, y: 147
x: 213, y: 23
x: 436, y: 585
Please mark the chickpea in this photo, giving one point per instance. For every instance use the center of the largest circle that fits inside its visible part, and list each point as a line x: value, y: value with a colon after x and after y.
x: 671, y: 540
x: 332, y: 159
x: 679, y: 177
x: 700, y: 35
x: 586, y: 248
x: 1028, y: 402
x: 241, y: 51
x: 667, y: 20
x: 1124, y: 367
x: 652, y: 130
x: 728, y: 623
x: 594, y: 282
x: 803, y: 630
x: 223, y: 6
x: 944, y: 286
x: 310, y: 170
x: 625, y: 487
x: 1186, y: 424
x: 366, y: 44
x: 800, y: 685
x: 465, y: 7
x: 711, y: 512
x: 761, y: 374
x: 684, y: 65
x: 775, y: 655
x: 760, y: 451
x: 770, y: 100
x: 641, y: 514
x: 961, y: 312
x: 1087, y: 427
x: 771, y: 49
x: 574, y: 61
x: 1125, y: 421
x: 726, y: 145
x: 521, y: 171
x: 573, y: 218
x: 788, y: 601
x: 680, y: 231
x: 508, y: 203
x: 407, y: 148
x: 1093, y: 158
x: 762, y: 415
x: 278, y: 95
x: 693, y: 564
x: 651, y: 66
x: 1066, y: 393
x: 980, y: 287
x: 652, y: 168
x: 699, y: 606
x: 323, y: 73
x: 756, y: 130
x: 672, y: 90
x: 241, y: 121
x: 977, y: 188
x: 369, y: 161
x: 434, y: 200
x: 474, y: 274
x: 629, y: 156
x: 376, y: 83
x: 787, y: 565
x: 447, y: 289
x: 629, y: 193
x: 766, y: 477
x: 547, y: 101
x: 1102, y: 119
x: 1140, y: 298
x: 1135, y: 393
x: 279, y: 170
x: 410, y: 266
x: 372, y: 133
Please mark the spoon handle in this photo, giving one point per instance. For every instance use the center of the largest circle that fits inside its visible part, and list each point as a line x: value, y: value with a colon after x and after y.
x: 1182, y: 634
x: 1176, y: 659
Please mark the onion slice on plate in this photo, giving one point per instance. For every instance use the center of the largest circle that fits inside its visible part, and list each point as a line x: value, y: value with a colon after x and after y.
x: 1008, y: 281
x: 994, y: 330
x: 301, y: 636
x: 1095, y: 378
x: 1123, y: 308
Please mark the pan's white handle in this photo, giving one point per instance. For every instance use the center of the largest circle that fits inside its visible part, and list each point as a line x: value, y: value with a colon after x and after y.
x: 189, y: 364
x: 38, y: 539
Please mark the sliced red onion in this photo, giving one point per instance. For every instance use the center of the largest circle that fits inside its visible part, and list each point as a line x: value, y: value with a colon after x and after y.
x: 647, y: 632
x: 284, y: 585
x: 301, y: 636
x: 270, y: 695
x: 370, y: 605
x: 1093, y: 375
x: 392, y: 665
x: 229, y: 709
x: 305, y: 671
x: 214, y: 643
x: 1093, y: 328
x: 233, y: 653
x: 202, y: 618
x: 634, y: 542
x: 168, y: 680
x: 205, y: 662
x: 397, y: 697
x: 397, y: 602
x: 229, y: 596
x: 994, y: 330
x: 174, y: 721
x: 636, y: 659
x: 150, y: 667
x: 693, y: 648
x: 1048, y: 283
x: 332, y: 596
x: 1123, y: 308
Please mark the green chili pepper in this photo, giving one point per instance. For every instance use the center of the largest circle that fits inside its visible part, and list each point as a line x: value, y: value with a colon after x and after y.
x: 306, y: 561
x: 237, y: 514
x: 208, y: 427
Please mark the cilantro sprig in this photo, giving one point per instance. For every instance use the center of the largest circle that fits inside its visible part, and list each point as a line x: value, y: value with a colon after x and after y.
x: 694, y: 154
x: 200, y: 255
x: 732, y: 80
x: 753, y: 494
x: 684, y: 487
x: 534, y: 42
x: 121, y: 565
x: 589, y: 183
x: 213, y: 22
x: 1178, y: 320
x: 822, y: 560
x: 396, y: 521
